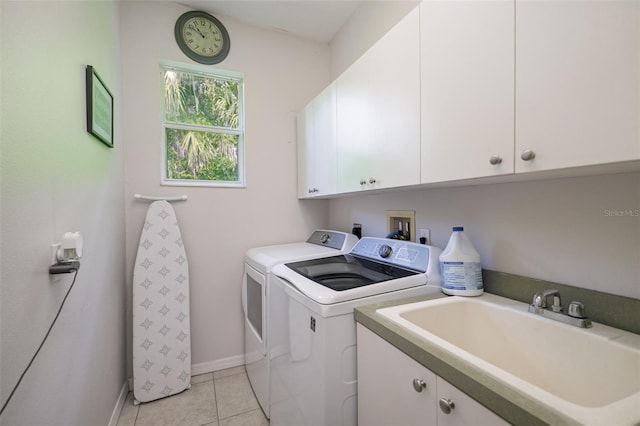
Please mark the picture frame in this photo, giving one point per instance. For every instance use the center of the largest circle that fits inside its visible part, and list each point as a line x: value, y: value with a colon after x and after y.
x: 99, y: 107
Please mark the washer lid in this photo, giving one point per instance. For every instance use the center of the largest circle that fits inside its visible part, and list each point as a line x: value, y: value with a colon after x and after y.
x: 346, y: 272
x: 326, y: 296
x: 374, y: 266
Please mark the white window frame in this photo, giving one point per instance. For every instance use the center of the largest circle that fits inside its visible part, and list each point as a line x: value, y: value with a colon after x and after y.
x: 215, y: 73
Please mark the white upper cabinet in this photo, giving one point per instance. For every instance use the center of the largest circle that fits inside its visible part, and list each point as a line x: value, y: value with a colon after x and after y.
x: 464, y: 89
x: 317, y: 174
x: 378, y: 106
x: 395, y: 105
x: 304, y: 131
x: 467, y: 67
x: 577, y: 83
x: 352, y: 99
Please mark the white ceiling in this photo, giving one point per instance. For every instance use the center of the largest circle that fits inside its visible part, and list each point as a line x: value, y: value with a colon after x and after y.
x: 312, y: 19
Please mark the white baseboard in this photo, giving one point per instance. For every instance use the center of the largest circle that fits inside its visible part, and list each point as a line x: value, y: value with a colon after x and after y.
x: 122, y: 398
x: 219, y: 364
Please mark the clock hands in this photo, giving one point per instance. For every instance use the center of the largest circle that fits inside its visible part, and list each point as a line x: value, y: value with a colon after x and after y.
x: 196, y: 29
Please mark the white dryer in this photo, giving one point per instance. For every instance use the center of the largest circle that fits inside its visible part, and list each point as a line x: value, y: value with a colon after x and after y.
x: 259, y: 262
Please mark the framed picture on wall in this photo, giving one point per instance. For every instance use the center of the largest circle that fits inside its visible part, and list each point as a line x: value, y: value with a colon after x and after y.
x: 99, y: 108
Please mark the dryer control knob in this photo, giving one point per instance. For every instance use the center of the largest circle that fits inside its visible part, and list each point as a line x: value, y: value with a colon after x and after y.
x: 385, y: 251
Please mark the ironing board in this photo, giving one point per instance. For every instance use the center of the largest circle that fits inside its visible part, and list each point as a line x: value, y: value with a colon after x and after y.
x: 161, y: 323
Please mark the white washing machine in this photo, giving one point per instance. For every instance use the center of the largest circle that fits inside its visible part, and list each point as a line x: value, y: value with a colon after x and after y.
x: 259, y: 262
x: 312, y: 332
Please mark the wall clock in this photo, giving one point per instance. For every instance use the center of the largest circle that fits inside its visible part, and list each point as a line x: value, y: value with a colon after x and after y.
x: 202, y: 37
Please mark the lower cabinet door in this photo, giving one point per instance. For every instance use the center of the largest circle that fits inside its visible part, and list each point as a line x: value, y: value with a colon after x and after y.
x: 455, y: 408
x: 393, y: 389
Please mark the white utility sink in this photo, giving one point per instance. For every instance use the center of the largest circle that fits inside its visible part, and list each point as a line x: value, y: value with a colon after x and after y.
x: 591, y: 375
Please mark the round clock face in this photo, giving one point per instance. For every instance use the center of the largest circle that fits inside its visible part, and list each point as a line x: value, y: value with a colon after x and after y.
x: 202, y: 37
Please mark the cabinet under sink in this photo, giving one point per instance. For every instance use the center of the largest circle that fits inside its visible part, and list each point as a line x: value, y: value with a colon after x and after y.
x: 394, y: 389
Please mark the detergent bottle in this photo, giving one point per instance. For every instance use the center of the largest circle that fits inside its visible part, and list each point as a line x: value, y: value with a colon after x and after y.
x: 460, y: 266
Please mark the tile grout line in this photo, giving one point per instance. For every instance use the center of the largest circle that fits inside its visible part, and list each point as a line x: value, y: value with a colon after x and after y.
x: 215, y: 399
x: 137, y: 408
x: 244, y: 372
x: 137, y: 413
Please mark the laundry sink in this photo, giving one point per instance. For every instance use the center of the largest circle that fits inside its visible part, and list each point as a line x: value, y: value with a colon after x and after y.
x: 591, y: 375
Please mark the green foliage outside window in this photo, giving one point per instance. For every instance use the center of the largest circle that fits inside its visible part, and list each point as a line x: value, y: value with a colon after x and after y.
x: 202, y: 121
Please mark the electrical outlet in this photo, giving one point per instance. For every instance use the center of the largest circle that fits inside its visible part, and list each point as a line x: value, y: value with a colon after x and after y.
x: 426, y: 234
x: 54, y: 253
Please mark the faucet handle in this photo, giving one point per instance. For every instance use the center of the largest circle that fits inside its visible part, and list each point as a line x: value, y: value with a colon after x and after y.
x: 557, y: 305
x: 538, y: 301
x: 576, y: 310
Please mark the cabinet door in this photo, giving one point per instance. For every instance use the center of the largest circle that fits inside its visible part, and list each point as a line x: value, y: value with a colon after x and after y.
x: 317, y: 150
x: 386, y: 394
x: 577, y: 82
x: 324, y: 142
x: 352, y: 96
x: 467, y: 57
x: 394, y: 64
x: 305, y: 151
x: 465, y: 411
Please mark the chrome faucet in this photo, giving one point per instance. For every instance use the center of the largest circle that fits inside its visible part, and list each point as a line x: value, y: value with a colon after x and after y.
x: 575, y: 316
x: 540, y: 301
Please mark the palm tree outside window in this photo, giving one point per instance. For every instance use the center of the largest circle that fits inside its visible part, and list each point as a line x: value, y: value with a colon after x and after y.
x: 203, y: 126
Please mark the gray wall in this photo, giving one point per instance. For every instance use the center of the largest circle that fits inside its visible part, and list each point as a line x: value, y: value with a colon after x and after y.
x: 55, y: 177
x: 572, y: 231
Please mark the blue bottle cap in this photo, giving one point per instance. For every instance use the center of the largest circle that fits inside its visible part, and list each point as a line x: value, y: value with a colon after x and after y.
x: 458, y: 228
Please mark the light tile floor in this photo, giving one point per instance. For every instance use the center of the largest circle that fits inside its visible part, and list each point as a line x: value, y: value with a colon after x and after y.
x: 221, y: 398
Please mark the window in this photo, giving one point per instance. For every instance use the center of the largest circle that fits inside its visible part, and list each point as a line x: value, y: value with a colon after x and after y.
x: 203, y: 126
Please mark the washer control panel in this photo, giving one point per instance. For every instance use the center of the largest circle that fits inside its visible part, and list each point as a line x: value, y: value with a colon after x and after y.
x: 396, y: 252
x: 333, y: 239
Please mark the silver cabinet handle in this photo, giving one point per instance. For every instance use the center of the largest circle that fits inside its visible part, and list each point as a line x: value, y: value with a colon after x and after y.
x: 419, y: 385
x: 372, y: 180
x: 363, y: 182
x: 495, y: 159
x: 446, y: 405
x: 527, y: 155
